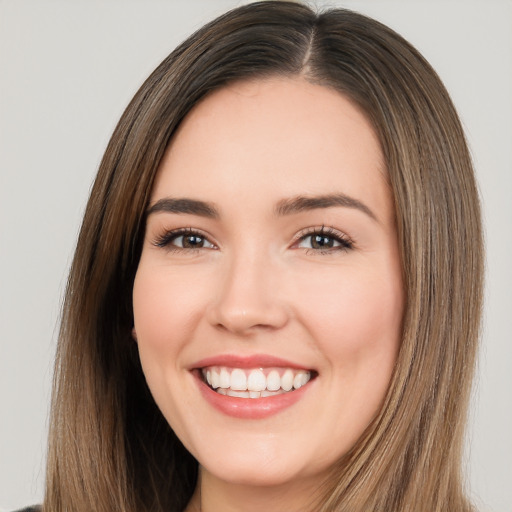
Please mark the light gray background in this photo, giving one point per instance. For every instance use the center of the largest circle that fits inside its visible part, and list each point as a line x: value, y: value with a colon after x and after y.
x: 67, y: 70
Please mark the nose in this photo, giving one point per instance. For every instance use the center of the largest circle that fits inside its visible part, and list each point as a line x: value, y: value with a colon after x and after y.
x: 249, y: 297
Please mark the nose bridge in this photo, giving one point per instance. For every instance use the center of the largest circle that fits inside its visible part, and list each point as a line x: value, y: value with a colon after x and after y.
x: 247, y: 295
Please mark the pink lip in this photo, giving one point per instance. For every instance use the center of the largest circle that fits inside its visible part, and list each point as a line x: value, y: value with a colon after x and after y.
x: 248, y: 408
x: 253, y: 361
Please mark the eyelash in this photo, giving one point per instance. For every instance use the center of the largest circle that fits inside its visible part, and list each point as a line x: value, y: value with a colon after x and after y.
x: 326, y: 232
x: 165, y: 240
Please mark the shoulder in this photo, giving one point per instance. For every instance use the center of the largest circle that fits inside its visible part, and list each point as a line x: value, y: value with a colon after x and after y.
x: 36, y: 508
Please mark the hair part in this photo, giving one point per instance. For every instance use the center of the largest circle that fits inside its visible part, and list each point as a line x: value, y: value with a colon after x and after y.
x: 110, y: 447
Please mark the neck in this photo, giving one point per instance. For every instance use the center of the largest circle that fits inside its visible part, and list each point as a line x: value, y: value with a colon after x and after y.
x: 215, y: 495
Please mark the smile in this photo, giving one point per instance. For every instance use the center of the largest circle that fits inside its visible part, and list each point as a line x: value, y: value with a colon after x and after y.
x: 255, y: 382
x: 253, y: 386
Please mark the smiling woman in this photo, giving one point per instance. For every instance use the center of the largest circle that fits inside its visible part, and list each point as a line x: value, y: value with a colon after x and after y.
x: 290, y: 306
x: 275, y: 298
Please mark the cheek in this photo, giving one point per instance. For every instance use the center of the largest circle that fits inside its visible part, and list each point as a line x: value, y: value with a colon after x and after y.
x: 355, y: 317
x: 165, y: 307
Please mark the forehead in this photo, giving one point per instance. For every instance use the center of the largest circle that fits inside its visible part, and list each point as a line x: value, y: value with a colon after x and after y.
x: 278, y: 138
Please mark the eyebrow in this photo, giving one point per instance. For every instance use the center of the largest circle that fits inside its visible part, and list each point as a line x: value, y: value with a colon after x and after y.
x: 304, y: 203
x: 284, y: 207
x: 184, y: 205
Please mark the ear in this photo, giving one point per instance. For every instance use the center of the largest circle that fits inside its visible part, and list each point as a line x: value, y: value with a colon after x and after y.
x: 134, y: 334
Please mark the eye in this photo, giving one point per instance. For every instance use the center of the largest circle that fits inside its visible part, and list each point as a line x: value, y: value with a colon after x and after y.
x: 324, y: 240
x: 186, y: 239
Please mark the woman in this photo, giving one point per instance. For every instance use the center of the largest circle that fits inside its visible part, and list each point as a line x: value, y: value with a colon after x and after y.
x: 288, y: 198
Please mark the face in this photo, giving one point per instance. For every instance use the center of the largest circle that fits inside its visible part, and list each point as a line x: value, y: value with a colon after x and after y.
x: 268, y: 299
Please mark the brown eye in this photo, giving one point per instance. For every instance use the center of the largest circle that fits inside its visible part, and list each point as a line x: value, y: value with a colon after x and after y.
x: 323, y: 240
x: 190, y: 241
x: 186, y: 240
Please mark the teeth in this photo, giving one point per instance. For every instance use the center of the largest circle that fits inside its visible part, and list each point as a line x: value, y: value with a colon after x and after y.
x: 238, y: 380
x: 239, y: 394
x: 287, y: 380
x: 254, y: 383
x: 224, y: 380
x: 273, y: 381
x: 300, y: 379
x: 215, y: 379
x: 266, y: 393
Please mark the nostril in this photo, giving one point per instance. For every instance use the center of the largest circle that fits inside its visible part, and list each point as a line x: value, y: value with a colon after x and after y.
x: 241, y: 321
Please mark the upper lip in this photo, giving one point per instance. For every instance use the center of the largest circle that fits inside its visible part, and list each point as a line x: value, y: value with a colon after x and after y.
x: 247, y: 361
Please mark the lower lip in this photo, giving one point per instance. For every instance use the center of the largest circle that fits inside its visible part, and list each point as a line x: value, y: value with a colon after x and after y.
x: 250, y: 408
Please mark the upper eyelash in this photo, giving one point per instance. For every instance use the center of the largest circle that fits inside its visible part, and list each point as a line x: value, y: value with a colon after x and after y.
x: 164, y: 239
x: 329, y: 232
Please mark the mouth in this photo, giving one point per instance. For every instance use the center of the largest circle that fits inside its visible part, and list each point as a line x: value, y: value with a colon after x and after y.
x: 252, y: 387
x: 261, y: 382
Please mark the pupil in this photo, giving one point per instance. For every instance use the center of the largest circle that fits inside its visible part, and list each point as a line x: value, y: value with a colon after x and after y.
x: 192, y: 241
x: 320, y: 241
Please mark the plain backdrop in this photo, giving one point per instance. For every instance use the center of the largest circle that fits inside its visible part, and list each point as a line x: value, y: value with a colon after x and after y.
x: 68, y: 69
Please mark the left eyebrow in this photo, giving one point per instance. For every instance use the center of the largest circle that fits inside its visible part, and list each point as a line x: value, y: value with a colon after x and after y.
x: 304, y: 203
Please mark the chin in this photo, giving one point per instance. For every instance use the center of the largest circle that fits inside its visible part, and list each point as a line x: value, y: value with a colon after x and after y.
x: 259, y: 462
x: 256, y: 473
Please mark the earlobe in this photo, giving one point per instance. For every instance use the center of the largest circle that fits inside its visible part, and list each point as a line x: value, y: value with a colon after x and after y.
x: 134, y: 334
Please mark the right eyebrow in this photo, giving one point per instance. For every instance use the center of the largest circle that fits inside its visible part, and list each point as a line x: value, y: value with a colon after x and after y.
x: 184, y: 205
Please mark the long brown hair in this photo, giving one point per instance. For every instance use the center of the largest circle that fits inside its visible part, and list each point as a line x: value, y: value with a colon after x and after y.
x: 110, y: 447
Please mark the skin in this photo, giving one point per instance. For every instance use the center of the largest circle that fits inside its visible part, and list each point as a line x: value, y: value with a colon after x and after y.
x: 259, y: 286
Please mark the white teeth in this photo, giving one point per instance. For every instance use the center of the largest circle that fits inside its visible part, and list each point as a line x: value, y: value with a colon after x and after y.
x: 239, y: 394
x: 238, y: 380
x: 273, y: 381
x: 300, y: 379
x: 287, y: 380
x: 224, y: 380
x: 215, y: 379
x: 256, y: 381
x: 266, y: 393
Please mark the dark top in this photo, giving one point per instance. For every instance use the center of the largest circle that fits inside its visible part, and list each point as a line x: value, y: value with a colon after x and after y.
x: 35, y: 508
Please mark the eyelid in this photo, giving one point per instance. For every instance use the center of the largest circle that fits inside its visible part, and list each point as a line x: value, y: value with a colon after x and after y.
x: 164, y: 239
x: 329, y: 232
